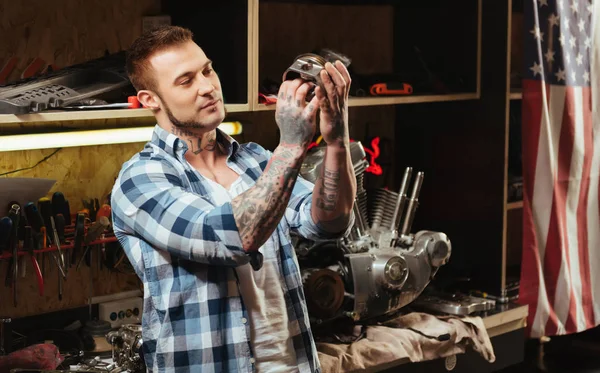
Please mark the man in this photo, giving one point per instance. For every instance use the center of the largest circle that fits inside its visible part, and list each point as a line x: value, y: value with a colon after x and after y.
x: 194, y: 206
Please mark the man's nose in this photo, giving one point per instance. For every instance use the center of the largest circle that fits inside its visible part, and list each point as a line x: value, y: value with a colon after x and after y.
x: 206, y: 87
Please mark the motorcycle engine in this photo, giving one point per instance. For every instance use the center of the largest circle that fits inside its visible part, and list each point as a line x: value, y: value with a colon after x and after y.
x: 380, y: 266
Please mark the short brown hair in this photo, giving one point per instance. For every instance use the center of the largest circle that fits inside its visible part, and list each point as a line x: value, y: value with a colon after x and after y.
x: 145, y: 46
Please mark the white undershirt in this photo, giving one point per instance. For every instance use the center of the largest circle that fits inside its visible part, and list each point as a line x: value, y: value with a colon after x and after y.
x: 263, y: 296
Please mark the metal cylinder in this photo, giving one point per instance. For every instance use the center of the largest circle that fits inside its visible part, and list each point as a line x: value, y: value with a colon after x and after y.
x: 412, y: 204
x: 360, y: 226
x: 401, y: 199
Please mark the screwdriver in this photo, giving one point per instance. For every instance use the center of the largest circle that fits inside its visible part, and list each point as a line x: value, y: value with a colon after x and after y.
x: 79, y: 234
x: 67, y: 213
x: 39, y: 230
x: 45, y: 209
x: 58, y: 203
x: 28, y: 247
x: 20, y: 238
x: 5, y: 229
x: 45, y: 206
x: 58, y: 209
x: 14, y: 215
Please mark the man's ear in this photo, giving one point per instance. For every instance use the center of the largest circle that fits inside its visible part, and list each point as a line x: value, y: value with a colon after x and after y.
x: 149, y: 99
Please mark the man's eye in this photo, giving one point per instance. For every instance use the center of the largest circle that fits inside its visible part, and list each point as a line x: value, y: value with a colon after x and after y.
x: 208, y: 71
x: 185, y: 82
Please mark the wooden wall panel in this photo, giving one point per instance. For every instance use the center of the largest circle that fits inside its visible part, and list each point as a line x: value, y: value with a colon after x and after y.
x: 70, y: 31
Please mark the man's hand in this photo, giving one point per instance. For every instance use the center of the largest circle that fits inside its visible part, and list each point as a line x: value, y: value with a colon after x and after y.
x: 296, y: 119
x: 335, y: 188
x: 334, y: 104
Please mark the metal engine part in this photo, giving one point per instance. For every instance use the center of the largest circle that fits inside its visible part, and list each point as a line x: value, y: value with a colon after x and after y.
x: 380, y: 266
x: 126, y: 345
x: 308, y: 66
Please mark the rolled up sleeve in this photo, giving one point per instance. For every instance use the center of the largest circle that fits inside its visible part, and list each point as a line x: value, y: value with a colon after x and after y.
x: 150, y: 202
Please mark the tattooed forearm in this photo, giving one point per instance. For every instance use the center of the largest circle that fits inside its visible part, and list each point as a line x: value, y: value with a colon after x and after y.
x: 328, y: 190
x: 258, y: 210
x: 335, y: 189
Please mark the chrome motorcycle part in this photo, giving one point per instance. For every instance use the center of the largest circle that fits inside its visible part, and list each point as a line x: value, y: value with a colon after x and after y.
x: 382, y: 265
x: 127, y: 347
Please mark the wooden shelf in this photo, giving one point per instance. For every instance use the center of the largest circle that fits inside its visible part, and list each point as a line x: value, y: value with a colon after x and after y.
x: 514, y: 205
x: 396, y: 100
x: 516, y: 95
x: 507, y: 321
x: 61, y: 116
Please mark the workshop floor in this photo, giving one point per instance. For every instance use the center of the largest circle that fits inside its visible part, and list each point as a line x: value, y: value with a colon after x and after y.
x: 578, y: 353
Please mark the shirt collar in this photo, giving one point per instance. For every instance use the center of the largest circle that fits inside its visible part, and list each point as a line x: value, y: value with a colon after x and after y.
x: 174, y: 146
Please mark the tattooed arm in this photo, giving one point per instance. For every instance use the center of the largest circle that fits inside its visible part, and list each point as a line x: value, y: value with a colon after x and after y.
x: 258, y: 210
x: 335, y: 188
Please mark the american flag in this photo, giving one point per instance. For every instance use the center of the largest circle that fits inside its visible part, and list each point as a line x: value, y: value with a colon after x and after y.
x: 560, y: 275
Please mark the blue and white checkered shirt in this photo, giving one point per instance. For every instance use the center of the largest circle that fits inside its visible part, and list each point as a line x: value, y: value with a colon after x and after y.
x: 184, y: 248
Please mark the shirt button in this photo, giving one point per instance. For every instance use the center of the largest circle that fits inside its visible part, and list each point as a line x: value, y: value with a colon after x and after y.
x: 244, y: 320
x: 252, y: 360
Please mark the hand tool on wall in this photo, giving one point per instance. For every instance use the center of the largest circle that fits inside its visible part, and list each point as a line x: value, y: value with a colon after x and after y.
x: 45, y: 209
x: 39, y: 230
x: 105, y: 210
x: 28, y: 248
x: 93, y: 233
x: 57, y: 244
x: 92, y: 206
x: 20, y: 238
x: 14, y: 215
x: 79, y: 234
x: 58, y: 203
x: 67, y: 213
x: 5, y: 229
x: 59, y: 222
x: 36, y: 219
x: 58, y: 209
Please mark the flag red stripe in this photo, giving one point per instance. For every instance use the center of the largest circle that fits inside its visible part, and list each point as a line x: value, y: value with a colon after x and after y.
x: 532, y: 118
x: 557, y: 243
x: 582, y: 212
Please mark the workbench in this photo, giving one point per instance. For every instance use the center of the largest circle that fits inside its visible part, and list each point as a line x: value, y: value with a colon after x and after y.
x: 506, y: 328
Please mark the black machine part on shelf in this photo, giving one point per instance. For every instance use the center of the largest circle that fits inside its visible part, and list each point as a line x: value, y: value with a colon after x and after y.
x: 103, y: 78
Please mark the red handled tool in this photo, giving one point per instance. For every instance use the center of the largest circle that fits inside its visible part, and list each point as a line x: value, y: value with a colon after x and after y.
x: 105, y: 210
x: 391, y: 89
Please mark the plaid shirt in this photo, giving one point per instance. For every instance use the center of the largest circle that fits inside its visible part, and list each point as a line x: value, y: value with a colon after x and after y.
x: 184, y: 248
